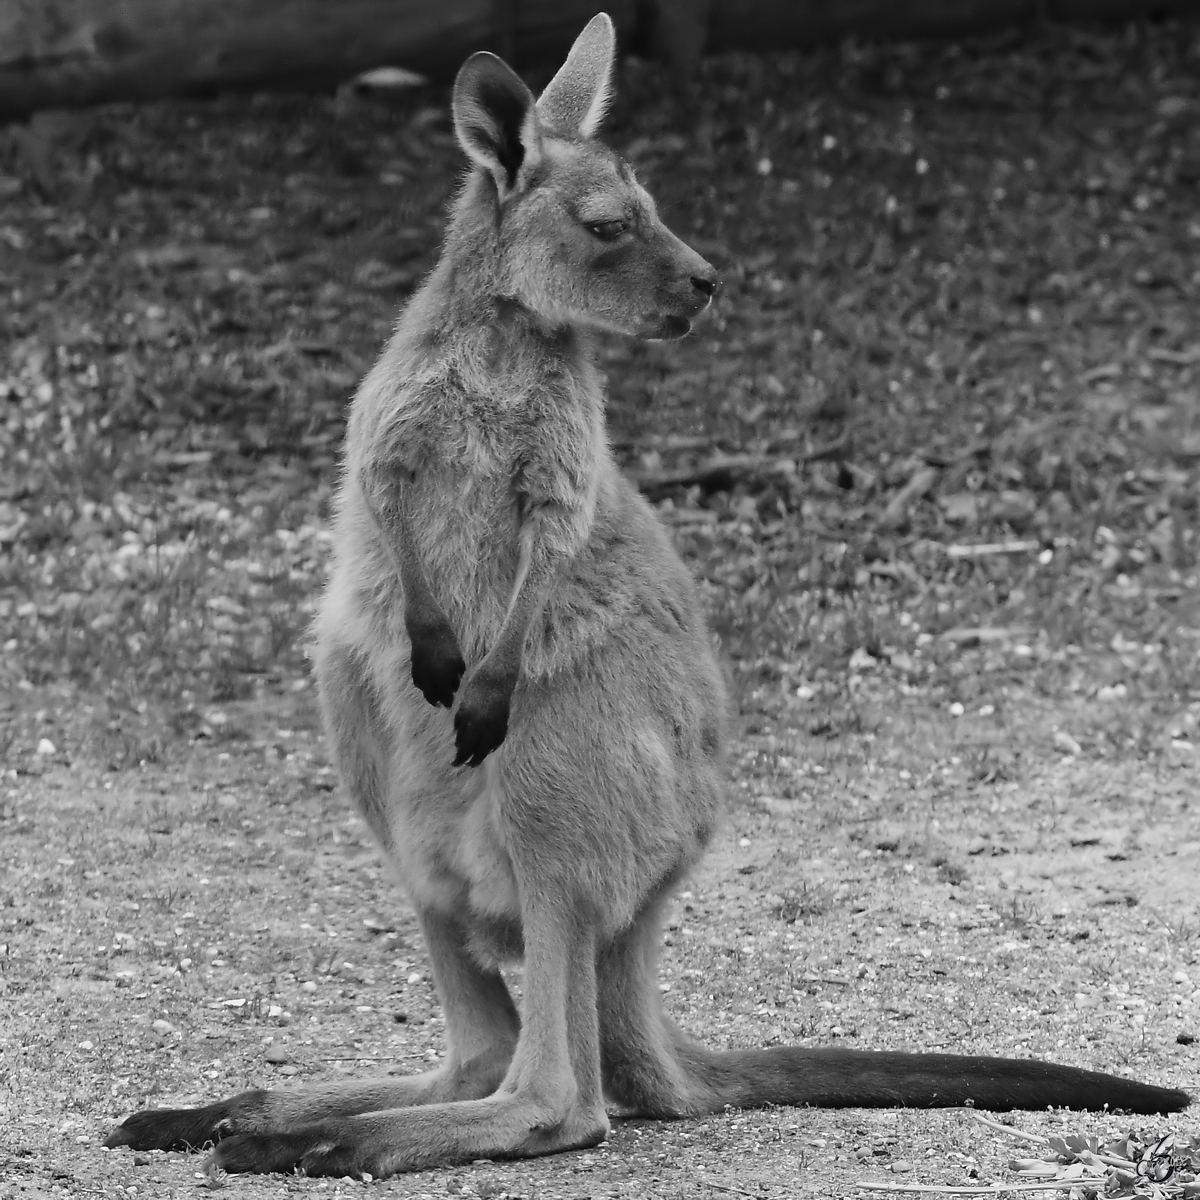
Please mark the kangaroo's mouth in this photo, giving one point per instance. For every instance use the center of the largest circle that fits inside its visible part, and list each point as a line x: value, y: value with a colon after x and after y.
x: 670, y: 328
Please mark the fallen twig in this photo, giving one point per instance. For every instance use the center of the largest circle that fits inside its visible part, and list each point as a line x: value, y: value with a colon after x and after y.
x: 724, y: 1187
x: 715, y: 474
x: 1180, y: 358
x: 991, y: 1189
x: 722, y: 471
x: 922, y: 482
x: 1018, y: 1135
x: 993, y: 633
x: 829, y: 450
x: 989, y: 548
x: 360, y: 1058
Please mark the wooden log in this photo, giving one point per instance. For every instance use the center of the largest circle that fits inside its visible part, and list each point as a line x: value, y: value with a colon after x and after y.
x: 753, y: 25
x: 67, y: 53
x: 768, y: 25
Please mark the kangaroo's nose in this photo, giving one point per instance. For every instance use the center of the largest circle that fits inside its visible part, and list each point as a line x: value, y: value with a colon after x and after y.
x: 707, y: 284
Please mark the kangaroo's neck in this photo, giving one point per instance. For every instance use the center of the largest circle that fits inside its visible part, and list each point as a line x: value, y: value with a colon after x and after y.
x: 468, y: 308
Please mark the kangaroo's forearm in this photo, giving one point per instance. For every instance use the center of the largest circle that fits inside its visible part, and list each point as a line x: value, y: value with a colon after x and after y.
x: 388, y: 503
x: 539, y: 567
x: 481, y: 723
x: 436, y: 662
x: 531, y: 587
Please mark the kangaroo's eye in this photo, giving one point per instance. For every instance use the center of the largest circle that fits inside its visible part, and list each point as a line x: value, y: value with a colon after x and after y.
x: 606, y: 231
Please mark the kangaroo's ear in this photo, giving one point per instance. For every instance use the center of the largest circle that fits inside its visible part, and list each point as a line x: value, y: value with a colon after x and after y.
x: 496, y: 119
x: 575, y: 99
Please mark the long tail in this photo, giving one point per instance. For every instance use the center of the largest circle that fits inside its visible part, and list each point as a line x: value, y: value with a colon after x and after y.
x: 654, y: 1068
x: 826, y: 1078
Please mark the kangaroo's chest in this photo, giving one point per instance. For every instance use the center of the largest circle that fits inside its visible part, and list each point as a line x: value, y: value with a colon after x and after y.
x: 477, y: 480
x: 466, y: 521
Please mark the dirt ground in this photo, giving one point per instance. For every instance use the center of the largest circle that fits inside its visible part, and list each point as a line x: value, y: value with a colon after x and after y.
x: 935, y: 460
x: 172, y: 925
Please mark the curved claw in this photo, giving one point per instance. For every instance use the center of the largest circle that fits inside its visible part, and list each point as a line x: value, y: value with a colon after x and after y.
x: 481, y: 723
x: 476, y: 736
x: 437, y: 664
x: 314, y: 1151
x: 175, y: 1128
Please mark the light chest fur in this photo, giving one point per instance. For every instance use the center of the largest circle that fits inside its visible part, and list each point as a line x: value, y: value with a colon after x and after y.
x: 488, y: 423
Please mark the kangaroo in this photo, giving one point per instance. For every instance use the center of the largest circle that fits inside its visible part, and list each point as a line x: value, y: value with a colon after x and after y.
x: 491, y: 560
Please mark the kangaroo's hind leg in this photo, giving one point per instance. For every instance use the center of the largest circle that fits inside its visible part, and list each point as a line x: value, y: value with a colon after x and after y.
x: 651, y: 1067
x: 482, y: 1025
x: 642, y: 1069
x: 482, y: 1029
x: 549, y: 1100
x: 355, y: 724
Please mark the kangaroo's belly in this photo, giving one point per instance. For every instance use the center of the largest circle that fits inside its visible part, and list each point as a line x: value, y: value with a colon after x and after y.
x: 610, y: 771
x: 446, y: 841
x: 441, y: 828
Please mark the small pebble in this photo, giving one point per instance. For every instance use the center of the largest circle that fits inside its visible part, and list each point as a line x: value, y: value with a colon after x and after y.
x: 140, y: 1160
x: 163, y: 1027
x: 956, y: 710
x: 1185, y: 1039
x: 900, y: 1166
x: 46, y: 746
x: 415, y: 977
x: 277, y: 1054
x: 308, y: 986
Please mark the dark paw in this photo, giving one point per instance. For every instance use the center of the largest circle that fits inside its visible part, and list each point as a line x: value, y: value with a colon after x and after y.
x: 437, y: 664
x: 173, y: 1128
x: 481, y: 723
x: 315, y: 1151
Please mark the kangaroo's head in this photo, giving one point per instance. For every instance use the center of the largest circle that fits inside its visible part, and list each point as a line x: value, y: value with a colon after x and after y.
x: 578, y: 240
